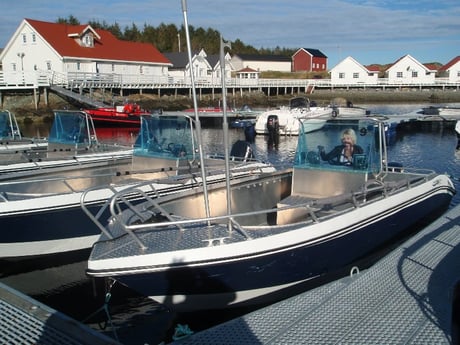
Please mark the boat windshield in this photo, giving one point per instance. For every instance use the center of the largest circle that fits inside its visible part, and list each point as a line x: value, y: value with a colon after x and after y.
x: 166, y: 136
x: 324, y: 148
x: 70, y: 128
x: 8, y: 126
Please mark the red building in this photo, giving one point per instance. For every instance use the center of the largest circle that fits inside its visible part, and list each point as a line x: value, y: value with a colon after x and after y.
x: 309, y: 60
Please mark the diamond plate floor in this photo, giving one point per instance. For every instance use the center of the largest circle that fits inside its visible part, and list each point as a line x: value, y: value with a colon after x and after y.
x: 405, y: 298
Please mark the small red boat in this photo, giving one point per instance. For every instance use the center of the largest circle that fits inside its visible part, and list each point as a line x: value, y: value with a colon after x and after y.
x: 127, y: 114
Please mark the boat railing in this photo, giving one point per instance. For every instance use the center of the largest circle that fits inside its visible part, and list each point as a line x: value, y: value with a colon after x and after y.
x: 317, y: 209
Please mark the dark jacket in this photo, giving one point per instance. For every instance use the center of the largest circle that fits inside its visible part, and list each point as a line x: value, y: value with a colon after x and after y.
x: 334, y: 156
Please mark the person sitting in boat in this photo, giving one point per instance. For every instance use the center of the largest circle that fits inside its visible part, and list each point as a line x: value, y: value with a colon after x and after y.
x: 342, y: 154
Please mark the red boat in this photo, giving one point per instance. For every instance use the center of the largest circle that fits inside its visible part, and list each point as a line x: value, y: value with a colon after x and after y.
x: 127, y: 114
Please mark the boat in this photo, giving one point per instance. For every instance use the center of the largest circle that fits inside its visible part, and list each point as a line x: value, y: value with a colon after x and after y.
x: 457, y: 130
x: 442, y: 111
x: 120, y: 115
x: 284, y: 120
x: 72, y: 148
x: 263, y: 240
x: 12, y: 143
x: 343, y: 107
x: 42, y: 217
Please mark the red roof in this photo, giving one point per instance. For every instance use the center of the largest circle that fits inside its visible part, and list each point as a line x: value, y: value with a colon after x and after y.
x: 106, y: 46
x: 450, y: 63
x: 373, y: 68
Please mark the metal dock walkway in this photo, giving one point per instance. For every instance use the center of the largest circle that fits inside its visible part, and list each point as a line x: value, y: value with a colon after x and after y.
x: 24, y: 320
x: 408, y: 297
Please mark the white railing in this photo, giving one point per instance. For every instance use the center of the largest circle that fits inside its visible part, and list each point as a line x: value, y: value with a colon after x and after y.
x: 81, y: 80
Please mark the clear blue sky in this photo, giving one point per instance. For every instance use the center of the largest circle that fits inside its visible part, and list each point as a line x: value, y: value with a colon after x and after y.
x: 371, y: 31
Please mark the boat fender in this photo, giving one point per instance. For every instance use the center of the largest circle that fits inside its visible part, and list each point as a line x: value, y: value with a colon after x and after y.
x: 335, y: 113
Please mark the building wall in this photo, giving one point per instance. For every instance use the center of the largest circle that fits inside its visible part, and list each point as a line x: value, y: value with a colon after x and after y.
x: 409, y: 71
x: 319, y: 64
x: 350, y: 72
x: 302, y: 62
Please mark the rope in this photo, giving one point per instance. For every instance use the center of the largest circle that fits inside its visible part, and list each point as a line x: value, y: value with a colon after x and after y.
x: 182, y: 331
x: 105, y: 308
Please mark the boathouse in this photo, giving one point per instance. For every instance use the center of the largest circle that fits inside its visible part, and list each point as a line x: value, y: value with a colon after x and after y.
x: 309, y: 60
x: 62, y: 49
x: 407, y: 70
x: 451, y: 71
x: 351, y: 72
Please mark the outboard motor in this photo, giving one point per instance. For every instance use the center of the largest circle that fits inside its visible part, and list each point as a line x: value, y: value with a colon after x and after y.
x: 242, y: 149
x: 273, y: 129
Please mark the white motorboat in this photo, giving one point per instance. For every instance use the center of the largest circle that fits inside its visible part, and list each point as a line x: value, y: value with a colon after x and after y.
x: 285, y: 120
x: 41, y: 215
x: 282, y: 230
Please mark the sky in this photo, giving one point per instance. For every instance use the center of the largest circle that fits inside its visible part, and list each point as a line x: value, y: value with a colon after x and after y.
x: 370, y: 31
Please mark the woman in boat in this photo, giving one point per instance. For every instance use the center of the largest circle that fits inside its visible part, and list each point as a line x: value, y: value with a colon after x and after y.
x: 342, y: 154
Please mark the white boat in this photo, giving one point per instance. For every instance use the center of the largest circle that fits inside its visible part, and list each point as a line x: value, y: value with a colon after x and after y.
x: 457, y: 130
x: 285, y: 120
x: 41, y: 216
x: 12, y: 143
x: 447, y: 112
x: 72, y: 148
x: 263, y: 239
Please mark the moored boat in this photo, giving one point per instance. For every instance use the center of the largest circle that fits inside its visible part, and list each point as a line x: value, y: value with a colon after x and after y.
x: 12, y: 143
x: 285, y: 120
x: 447, y: 112
x: 282, y: 230
x: 120, y: 115
x: 41, y: 216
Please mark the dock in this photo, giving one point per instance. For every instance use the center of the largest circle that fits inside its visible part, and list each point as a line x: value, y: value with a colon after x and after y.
x: 24, y: 320
x: 410, y: 296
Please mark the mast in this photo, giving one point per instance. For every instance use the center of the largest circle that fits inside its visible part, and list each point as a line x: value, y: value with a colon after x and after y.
x: 195, y: 108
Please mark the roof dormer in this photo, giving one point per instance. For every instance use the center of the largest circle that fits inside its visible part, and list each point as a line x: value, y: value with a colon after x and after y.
x: 86, y: 37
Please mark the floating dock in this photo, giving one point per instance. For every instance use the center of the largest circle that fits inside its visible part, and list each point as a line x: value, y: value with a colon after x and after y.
x: 410, y: 296
x: 24, y: 320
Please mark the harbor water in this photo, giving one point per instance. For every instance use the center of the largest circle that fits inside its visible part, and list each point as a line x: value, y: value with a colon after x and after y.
x: 430, y: 145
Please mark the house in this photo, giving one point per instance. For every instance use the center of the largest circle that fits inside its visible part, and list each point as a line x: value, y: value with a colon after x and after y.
x: 351, y: 72
x: 261, y: 63
x: 247, y: 73
x: 206, y: 68
x: 407, y: 70
x: 309, y: 60
x: 63, y: 48
x: 451, y: 70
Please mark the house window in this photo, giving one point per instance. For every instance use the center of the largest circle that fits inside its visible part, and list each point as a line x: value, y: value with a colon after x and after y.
x: 48, y: 65
x: 14, y: 67
x: 78, y: 66
x: 24, y: 38
x: 324, y: 67
x: 113, y: 68
x: 88, y: 40
x: 34, y: 37
x: 458, y: 73
x: 399, y: 74
x: 355, y: 75
x: 414, y: 74
x: 341, y: 75
x: 141, y: 70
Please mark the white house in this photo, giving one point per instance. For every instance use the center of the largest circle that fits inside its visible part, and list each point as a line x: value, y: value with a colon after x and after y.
x: 63, y: 48
x: 451, y: 70
x: 261, y: 62
x: 351, y: 72
x: 407, y: 70
x: 206, y: 68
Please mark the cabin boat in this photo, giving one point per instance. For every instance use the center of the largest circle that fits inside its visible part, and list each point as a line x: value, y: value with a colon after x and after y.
x: 285, y: 120
x: 41, y: 216
x: 120, y: 115
x: 279, y: 232
x: 12, y: 143
x: 443, y: 111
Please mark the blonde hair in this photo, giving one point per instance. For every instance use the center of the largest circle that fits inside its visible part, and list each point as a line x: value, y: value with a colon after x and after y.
x: 349, y: 133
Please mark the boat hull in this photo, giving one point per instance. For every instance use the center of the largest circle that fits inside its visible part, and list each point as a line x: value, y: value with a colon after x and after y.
x: 266, y: 274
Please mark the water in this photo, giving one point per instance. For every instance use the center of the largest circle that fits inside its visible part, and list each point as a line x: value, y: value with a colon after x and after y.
x: 66, y: 288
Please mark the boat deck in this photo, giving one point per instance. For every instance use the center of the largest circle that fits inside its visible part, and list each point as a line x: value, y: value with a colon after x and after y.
x: 408, y: 297
x: 24, y: 320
